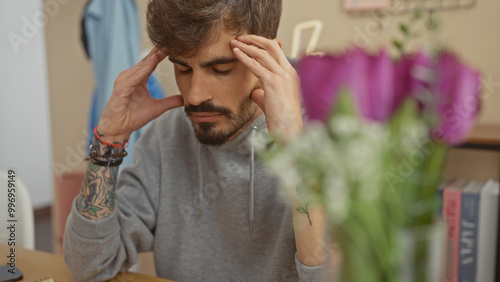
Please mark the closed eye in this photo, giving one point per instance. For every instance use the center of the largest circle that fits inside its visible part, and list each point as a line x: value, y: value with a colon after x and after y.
x: 214, y: 70
x: 184, y: 72
x: 219, y: 72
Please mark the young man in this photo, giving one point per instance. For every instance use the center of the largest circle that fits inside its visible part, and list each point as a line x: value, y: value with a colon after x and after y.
x: 196, y: 196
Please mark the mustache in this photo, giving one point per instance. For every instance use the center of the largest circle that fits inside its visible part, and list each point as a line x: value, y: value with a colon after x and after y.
x: 206, y: 107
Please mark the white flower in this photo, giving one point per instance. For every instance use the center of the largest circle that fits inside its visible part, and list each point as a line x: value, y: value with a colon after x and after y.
x: 337, y: 198
x: 344, y: 126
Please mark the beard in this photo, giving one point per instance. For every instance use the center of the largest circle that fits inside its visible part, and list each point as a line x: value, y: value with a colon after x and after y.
x: 209, y: 133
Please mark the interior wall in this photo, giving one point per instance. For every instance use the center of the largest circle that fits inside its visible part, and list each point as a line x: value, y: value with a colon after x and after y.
x: 165, y: 70
x: 25, y: 146
x: 471, y: 33
x: 70, y: 85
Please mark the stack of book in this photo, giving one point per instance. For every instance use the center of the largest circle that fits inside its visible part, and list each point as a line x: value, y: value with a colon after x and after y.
x: 470, y: 213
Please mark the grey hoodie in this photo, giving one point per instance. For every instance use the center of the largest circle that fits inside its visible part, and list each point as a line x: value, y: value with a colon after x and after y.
x: 207, y: 213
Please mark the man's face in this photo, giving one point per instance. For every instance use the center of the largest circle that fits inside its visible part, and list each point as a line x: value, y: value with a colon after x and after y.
x: 216, y: 89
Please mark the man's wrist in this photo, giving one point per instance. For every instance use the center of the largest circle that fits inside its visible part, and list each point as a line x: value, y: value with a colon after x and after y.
x: 106, y: 154
x: 288, y: 134
x: 105, y: 150
x: 108, y: 138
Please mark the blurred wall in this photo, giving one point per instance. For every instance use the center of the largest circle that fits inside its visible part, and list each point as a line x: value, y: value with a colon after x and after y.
x: 472, y: 33
x: 25, y: 127
x: 70, y: 85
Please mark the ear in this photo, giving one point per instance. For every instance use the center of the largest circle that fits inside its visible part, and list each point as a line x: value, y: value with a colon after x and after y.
x: 279, y: 42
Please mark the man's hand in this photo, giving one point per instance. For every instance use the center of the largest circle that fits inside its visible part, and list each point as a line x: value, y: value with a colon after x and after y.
x: 279, y: 95
x: 279, y: 99
x: 131, y: 106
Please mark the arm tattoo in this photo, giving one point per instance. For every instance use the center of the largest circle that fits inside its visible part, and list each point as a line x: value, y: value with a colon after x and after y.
x: 97, y: 195
x: 303, y: 197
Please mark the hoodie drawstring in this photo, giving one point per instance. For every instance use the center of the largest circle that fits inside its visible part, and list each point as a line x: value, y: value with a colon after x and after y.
x: 200, y: 179
x: 250, y: 188
x: 252, y: 174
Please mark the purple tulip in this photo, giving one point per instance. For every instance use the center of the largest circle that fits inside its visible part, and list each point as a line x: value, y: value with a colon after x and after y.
x: 320, y: 78
x: 379, y: 85
x: 369, y: 79
x: 458, y: 99
x: 381, y: 92
x: 413, y: 76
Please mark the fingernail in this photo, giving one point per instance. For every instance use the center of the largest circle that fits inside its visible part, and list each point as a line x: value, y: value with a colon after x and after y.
x: 236, y: 49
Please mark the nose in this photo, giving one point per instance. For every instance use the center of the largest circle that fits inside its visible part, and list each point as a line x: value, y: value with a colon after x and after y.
x: 199, y: 90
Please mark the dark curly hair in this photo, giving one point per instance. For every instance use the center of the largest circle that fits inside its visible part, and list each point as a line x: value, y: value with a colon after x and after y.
x: 183, y: 26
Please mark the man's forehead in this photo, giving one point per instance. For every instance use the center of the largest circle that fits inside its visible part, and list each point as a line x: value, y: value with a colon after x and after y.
x: 206, y: 56
x: 218, y: 50
x: 220, y: 60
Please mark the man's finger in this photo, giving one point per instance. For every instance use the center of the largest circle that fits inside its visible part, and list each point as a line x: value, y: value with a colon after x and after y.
x: 142, y: 74
x: 159, y: 106
x: 255, y: 67
x: 153, y: 51
x: 261, y: 55
x: 272, y: 46
x: 154, y: 60
x: 258, y: 97
x: 131, y: 73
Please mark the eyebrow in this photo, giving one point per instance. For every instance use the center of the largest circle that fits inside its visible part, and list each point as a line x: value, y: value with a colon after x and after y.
x: 216, y: 61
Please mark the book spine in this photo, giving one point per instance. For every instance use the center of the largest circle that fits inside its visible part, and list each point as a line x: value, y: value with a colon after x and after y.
x: 497, y: 266
x: 468, y: 237
x: 487, y: 233
x: 451, y: 216
x: 439, y: 192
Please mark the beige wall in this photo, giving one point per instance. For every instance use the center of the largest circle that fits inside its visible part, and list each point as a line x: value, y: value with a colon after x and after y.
x: 70, y: 86
x: 472, y: 33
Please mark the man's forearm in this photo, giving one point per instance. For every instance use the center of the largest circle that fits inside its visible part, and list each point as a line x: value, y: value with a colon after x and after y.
x: 309, y: 223
x: 309, y: 220
x: 97, y: 195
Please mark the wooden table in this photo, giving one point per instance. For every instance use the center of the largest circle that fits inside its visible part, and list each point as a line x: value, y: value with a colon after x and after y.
x: 37, y: 265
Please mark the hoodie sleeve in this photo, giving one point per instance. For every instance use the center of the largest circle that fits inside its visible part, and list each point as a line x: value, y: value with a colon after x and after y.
x: 96, y: 250
x: 308, y: 273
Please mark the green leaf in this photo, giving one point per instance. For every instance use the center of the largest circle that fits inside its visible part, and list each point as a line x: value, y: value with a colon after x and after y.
x: 432, y: 23
x: 432, y: 168
x: 417, y: 13
x: 398, y: 44
x: 406, y: 113
x: 345, y: 104
x: 404, y: 28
